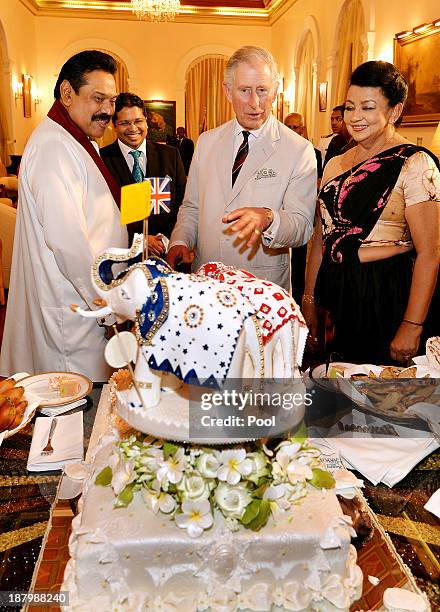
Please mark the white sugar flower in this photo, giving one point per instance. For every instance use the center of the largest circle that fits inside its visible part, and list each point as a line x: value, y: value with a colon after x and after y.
x: 223, y: 600
x: 259, y: 467
x: 196, y: 516
x: 122, y: 472
x: 277, y: 497
x: 208, y: 464
x: 287, y: 452
x: 193, y: 486
x: 234, y: 465
x: 232, y: 501
x: 163, y: 501
x: 296, y: 472
x: 172, y: 469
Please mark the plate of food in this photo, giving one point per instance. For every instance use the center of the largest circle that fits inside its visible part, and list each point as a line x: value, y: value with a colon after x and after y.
x: 57, y: 388
x: 17, y: 407
x: 388, y: 391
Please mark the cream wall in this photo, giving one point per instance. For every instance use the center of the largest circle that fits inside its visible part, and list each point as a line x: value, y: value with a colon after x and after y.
x: 383, y: 20
x: 19, y: 28
x: 156, y: 55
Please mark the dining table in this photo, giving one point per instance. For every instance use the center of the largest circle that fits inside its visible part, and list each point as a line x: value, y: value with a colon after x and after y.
x: 402, y: 548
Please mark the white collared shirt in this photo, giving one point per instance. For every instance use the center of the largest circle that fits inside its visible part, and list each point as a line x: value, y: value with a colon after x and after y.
x: 253, y: 136
x: 125, y: 150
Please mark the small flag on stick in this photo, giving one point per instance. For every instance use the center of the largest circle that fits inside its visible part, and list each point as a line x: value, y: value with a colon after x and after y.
x: 135, y: 202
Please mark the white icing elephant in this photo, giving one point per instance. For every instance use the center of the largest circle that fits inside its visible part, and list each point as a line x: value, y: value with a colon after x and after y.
x: 198, y: 328
x: 284, y: 330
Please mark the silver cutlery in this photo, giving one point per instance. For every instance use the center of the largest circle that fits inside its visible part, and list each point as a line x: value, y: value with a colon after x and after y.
x: 48, y: 449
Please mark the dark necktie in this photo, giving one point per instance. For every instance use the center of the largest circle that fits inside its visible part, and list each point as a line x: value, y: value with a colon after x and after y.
x: 240, y: 158
x: 137, y: 173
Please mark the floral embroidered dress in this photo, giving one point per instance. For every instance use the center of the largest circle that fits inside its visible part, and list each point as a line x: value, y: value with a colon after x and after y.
x: 361, y: 208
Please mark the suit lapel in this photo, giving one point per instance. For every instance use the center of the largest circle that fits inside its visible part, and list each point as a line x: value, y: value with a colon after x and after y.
x: 259, y: 152
x: 153, y: 168
x: 224, y: 159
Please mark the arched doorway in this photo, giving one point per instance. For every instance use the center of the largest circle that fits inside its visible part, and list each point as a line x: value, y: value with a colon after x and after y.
x: 351, y: 44
x: 6, y: 126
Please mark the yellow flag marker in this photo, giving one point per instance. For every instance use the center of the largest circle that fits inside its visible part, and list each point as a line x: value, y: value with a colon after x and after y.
x: 135, y: 202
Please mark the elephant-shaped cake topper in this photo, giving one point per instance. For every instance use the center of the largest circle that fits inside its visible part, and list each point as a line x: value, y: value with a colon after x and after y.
x: 200, y: 329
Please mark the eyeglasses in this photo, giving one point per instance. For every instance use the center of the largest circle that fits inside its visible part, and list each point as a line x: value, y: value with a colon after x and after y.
x: 136, y: 123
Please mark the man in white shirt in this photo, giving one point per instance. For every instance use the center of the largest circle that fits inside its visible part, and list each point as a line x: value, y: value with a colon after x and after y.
x: 252, y: 183
x: 132, y: 157
x: 67, y: 216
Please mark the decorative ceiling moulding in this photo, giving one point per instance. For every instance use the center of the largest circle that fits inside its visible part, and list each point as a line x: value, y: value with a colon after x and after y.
x: 205, y: 12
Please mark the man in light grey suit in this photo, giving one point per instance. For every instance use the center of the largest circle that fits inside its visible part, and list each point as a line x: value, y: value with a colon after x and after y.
x: 251, y: 188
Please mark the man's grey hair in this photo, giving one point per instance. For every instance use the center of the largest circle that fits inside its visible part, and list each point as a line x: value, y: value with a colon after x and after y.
x: 248, y: 55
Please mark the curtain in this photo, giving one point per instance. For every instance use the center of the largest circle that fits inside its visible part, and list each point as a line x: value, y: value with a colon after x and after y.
x: 350, y: 52
x: 206, y: 106
x: 304, y: 96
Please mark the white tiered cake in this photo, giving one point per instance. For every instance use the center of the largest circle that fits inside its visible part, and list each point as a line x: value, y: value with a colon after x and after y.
x: 206, y: 529
x: 133, y: 559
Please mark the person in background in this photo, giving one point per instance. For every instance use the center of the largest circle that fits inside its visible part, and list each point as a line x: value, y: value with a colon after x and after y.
x: 340, y: 143
x: 298, y: 256
x: 132, y: 157
x: 375, y: 255
x: 336, y: 119
x: 186, y: 148
x: 251, y: 190
x: 67, y: 216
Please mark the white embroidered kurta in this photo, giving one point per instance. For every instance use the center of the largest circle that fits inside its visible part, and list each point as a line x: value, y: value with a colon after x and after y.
x: 66, y: 217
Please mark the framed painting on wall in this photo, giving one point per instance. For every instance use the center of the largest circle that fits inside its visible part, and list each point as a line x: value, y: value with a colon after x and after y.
x: 280, y: 106
x: 161, y: 119
x: 27, y: 96
x: 416, y: 55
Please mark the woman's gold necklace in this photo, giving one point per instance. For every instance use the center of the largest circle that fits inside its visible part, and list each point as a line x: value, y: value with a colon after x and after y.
x: 353, y: 164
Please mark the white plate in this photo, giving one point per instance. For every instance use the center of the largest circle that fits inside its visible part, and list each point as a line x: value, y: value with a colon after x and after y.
x: 39, y: 385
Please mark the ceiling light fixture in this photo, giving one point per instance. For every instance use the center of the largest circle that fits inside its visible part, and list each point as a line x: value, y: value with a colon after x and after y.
x: 155, y: 10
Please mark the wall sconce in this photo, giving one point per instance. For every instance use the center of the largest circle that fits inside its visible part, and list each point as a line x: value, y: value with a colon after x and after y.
x: 323, y: 96
x: 36, y: 97
x: 17, y: 88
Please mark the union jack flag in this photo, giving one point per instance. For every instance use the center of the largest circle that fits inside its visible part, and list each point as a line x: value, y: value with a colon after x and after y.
x: 160, y: 194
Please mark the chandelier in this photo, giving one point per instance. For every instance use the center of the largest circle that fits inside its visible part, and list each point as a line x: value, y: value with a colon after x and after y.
x: 155, y: 10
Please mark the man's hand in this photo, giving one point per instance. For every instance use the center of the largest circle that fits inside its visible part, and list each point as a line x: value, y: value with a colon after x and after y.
x: 155, y: 246
x: 179, y: 253
x: 249, y: 222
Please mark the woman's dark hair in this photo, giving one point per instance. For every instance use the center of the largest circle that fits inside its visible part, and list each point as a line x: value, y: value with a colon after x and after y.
x: 128, y: 99
x: 384, y: 75
x: 76, y: 68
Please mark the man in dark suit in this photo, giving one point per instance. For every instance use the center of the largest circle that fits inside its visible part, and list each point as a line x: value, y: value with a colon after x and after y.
x: 132, y: 157
x: 186, y: 148
x: 298, y: 261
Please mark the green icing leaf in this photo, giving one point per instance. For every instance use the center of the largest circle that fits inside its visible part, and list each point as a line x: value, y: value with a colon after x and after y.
x: 263, y: 516
x: 169, y: 450
x: 104, y: 478
x: 125, y: 497
x: 251, y: 512
x: 322, y: 479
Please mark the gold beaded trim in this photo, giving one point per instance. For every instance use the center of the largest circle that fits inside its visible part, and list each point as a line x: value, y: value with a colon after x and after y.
x: 260, y: 343
x: 147, y: 341
x: 137, y: 244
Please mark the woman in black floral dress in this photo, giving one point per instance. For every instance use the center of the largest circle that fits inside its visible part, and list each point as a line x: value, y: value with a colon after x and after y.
x: 375, y: 255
